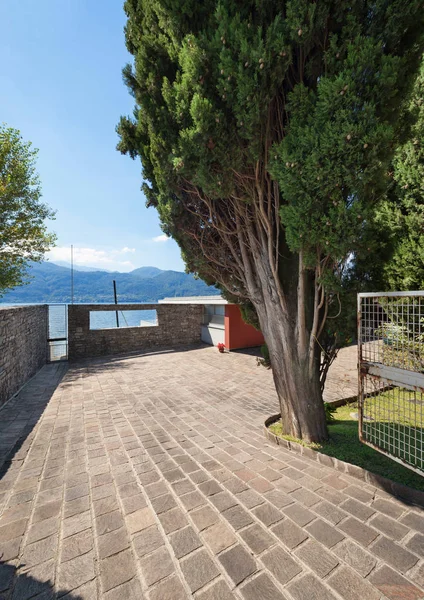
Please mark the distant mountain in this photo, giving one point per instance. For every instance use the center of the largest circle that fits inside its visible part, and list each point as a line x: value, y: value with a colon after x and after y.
x: 48, y: 282
x: 146, y: 272
x: 64, y: 263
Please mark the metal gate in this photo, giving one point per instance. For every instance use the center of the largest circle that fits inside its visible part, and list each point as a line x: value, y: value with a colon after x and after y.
x: 391, y: 375
x: 57, y: 335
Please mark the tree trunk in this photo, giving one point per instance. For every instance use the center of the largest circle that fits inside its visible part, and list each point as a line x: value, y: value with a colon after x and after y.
x: 298, y: 387
x: 287, y: 330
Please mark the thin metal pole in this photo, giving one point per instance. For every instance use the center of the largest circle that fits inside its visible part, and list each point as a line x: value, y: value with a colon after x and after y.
x: 72, y: 274
x: 116, y: 302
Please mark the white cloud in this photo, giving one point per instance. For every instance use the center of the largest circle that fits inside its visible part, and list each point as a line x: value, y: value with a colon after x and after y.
x: 160, y: 238
x: 91, y: 257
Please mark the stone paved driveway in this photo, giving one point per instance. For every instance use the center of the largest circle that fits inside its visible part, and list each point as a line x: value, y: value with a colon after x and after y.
x: 149, y: 477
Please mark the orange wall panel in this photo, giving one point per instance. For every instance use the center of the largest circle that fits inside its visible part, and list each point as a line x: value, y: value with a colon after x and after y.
x: 239, y: 334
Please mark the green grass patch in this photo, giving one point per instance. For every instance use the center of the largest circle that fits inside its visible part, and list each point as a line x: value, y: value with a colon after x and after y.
x: 344, y: 444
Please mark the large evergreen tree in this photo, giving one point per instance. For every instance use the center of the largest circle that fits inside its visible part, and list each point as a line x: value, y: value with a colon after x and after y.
x: 23, y: 229
x: 402, y: 215
x: 265, y: 130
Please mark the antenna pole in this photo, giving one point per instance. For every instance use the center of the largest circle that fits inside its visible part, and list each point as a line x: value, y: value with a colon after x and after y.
x: 116, y: 302
x: 72, y: 274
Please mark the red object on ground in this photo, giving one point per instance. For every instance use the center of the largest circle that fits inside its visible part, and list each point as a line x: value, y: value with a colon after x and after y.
x: 239, y: 334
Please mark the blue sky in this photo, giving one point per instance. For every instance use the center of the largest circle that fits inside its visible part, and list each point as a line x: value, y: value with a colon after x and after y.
x: 61, y: 86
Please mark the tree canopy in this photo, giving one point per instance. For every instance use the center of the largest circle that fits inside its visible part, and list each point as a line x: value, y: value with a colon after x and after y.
x: 23, y: 229
x: 265, y: 131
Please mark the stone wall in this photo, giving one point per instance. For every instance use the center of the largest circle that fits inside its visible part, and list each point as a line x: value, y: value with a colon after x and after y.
x: 23, y: 346
x: 178, y: 324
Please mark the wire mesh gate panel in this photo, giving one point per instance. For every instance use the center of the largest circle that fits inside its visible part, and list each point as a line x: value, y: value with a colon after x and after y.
x: 391, y: 375
x: 57, y: 335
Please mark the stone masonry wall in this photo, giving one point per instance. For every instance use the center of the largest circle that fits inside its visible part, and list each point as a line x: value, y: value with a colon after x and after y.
x: 23, y: 346
x: 178, y: 324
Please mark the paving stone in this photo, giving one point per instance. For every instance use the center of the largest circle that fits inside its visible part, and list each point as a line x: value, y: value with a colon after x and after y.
x: 75, y: 507
x: 76, y: 572
x: 394, y: 554
x: 352, y: 554
x: 416, y: 544
x: 192, y: 500
x: 48, y: 527
x: 209, y: 488
x: 36, y: 582
x: 198, y: 570
x: 223, y: 500
x: 357, y: 509
x: 351, y: 586
x: 117, y: 569
x: 238, y: 563
x: 148, y: 540
x: 300, y: 515
x: 140, y: 519
x: 414, y: 521
x: 305, y: 496
x: 204, y: 517
x: 281, y: 565
x: 172, y: 520
x: 261, y: 485
x: 250, y: 498
x: 156, y: 489
x: 12, y: 530
x: 390, y: 527
x: 268, y: 514
x: 237, y: 517
x: 359, y: 493
x: 330, y: 512
x: 109, y: 522
x: 183, y: 487
x: 40, y: 551
x: 169, y: 589
x: 389, y: 508
x: 184, y: 541
x: 76, y: 545
x: 325, y: 533
x: 218, y: 591
x: 156, y: 566
x: 262, y: 588
x: 257, y: 538
x: 290, y: 534
x: 320, y: 560
x: 133, y: 503
x: 46, y: 511
x: 77, y: 491
x: 127, y: 591
x: 163, y: 503
x: 394, y: 586
x: 199, y: 476
x: 218, y: 537
x: 75, y: 524
x: 113, y: 542
x: 358, y: 531
x: 308, y: 587
x: 10, y: 549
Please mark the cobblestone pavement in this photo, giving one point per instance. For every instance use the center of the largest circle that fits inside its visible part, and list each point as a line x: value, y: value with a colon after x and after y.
x: 149, y: 477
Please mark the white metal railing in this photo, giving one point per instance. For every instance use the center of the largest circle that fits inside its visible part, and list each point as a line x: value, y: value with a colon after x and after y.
x: 391, y: 374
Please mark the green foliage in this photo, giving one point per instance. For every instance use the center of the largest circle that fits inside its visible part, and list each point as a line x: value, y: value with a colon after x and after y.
x: 265, y: 361
x: 330, y: 412
x: 403, y: 213
x: 209, y: 79
x: 23, y: 231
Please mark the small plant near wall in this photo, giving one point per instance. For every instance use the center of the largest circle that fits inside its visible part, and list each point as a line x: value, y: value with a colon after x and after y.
x: 221, y: 347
